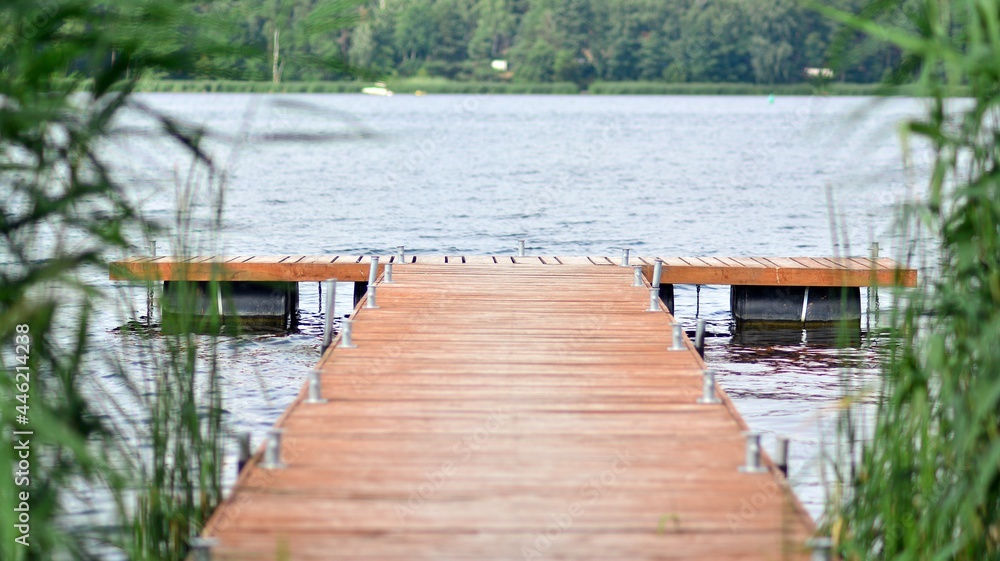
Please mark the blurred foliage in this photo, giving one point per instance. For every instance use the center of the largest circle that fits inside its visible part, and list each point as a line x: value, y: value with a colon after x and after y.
x: 927, y: 484
x: 132, y: 472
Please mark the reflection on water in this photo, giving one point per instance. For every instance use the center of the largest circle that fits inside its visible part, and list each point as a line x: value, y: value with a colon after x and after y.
x: 818, y: 336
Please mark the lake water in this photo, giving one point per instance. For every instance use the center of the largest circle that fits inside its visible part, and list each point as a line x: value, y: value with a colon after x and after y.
x: 577, y: 175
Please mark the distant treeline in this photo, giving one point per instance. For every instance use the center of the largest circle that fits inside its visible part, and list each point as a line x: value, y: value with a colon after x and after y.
x: 551, y: 41
x: 445, y: 86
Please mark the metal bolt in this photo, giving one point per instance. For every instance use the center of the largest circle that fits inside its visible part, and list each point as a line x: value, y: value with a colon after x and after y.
x: 520, y: 248
x: 345, y: 335
x: 371, y: 297
x: 331, y: 297
x: 243, y: 441
x: 753, y: 464
x: 678, y: 343
x: 387, y: 279
x: 637, y: 275
x: 657, y: 272
x: 201, y: 548
x: 315, y: 388
x: 781, y: 455
x: 708, y: 388
x: 272, y: 451
x: 821, y: 548
x: 400, y: 255
x: 654, y: 300
x: 699, y: 338
x: 625, y: 256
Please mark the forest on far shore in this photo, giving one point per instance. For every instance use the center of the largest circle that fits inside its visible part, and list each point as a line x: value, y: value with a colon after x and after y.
x: 580, y: 41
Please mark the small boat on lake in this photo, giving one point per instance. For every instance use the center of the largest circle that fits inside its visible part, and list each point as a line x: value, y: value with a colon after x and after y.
x: 379, y: 89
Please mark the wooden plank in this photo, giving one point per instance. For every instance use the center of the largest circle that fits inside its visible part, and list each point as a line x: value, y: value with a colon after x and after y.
x: 575, y: 260
x: 528, y: 260
x: 780, y: 262
x: 866, y: 263
x: 460, y: 427
x: 833, y: 263
x: 266, y: 259
x: 673, y: 542
x: 320, y: 259
x: 747, y: 262
x: 810, y: 263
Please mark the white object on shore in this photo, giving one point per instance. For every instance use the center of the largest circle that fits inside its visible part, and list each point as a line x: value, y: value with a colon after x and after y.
x: 379, y: 89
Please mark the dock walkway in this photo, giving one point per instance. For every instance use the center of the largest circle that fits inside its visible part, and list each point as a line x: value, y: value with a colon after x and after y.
x: 528, y: 412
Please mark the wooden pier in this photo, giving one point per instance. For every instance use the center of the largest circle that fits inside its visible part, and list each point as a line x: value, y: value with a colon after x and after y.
x: 500, y: 407
x: 530, y: 411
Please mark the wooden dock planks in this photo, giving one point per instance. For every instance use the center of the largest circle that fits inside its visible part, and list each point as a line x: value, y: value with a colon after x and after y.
x: 757, y: 271
x: 521, y: 412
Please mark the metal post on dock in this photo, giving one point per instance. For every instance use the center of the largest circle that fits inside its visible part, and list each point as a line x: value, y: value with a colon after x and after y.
x: 625, y: 255
x: 272, y: 450
x: 781, y: 455
x: 708, y: 388
x: 400, y: 254
x: 637, y: 275
x: 243, y: 441
x: 373, y: 271
x: 149, y: 289
x: 315, y: 388
x: 201, y: 548
x: 678, y: 337
x: 372, y: 277
x: 821, y: 548
x: 657, y: 272
x: 654, y: 299
x: 345, y: 335
x: 387, y: 279
x: 520, y: 248
x: 753, y: 464
x: 699, y: 338
x: 873, y: 287
x: 331, y: 296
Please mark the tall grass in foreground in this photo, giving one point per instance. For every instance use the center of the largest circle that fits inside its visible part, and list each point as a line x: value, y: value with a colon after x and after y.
x: 138, y: 437
x: 927, y: 484
x: 146, y: 456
